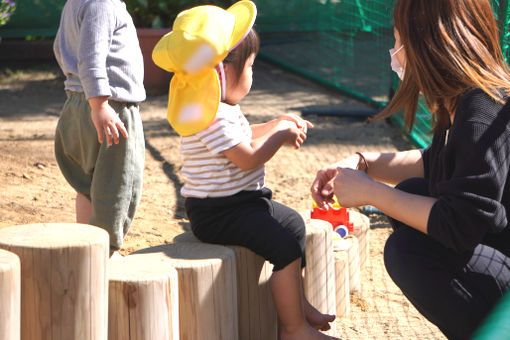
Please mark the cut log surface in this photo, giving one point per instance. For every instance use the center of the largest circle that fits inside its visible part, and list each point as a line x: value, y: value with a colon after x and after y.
x: 63, y: 279
x: 143, y: 300
x: 207, y: 288
x: 257, y: 313
x: 10, y: 295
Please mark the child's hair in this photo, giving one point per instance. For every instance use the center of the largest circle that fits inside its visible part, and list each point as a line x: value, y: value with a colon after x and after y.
x: 238, y: 56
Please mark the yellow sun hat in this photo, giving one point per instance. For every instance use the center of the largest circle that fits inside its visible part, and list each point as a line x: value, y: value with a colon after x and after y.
x: 200, y: 39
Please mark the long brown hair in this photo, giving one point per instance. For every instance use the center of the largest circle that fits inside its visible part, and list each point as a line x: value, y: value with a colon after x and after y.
x: 450, y: 46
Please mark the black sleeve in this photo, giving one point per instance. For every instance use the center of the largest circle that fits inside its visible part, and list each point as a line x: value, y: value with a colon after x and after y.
x: 476, y: 169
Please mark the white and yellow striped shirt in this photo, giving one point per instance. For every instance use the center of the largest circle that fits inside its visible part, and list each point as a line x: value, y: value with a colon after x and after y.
x: 207, y: 171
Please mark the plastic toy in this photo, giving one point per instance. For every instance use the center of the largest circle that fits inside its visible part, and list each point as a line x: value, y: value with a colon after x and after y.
x: 336, y: 215
x: 341, y: 230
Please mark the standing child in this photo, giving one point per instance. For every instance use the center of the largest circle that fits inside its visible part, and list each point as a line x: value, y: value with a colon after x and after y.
x: 223, y: 156
x: 97, y: 49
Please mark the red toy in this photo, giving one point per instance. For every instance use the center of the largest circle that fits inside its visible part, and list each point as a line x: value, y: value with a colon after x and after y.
x: 336, y: 215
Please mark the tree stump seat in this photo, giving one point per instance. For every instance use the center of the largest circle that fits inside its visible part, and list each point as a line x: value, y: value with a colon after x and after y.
x: 63, y: 279
x: 256, y: 311
x: 143, y: 300
x: 207, y: 288
x: 10, y: 295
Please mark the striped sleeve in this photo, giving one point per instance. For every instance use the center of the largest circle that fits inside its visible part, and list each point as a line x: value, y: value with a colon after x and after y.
x: 223, y: 134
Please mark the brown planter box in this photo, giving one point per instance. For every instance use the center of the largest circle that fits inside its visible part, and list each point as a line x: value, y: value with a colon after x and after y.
x: 156, y: 80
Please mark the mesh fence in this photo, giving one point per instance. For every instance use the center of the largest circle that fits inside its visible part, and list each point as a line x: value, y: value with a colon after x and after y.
x: 340, y: 43
x: 344, y: 44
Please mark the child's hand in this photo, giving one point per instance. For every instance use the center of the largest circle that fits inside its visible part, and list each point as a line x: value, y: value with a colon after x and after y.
x: 106, y: 120
x: 301, y: 123
x: 295, y: 135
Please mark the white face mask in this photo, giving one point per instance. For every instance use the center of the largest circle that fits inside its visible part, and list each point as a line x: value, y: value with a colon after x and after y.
x: 395, y: 65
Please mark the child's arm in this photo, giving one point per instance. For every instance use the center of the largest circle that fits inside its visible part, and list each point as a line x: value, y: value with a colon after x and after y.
x: 106, y: 120
x: 251, y: 155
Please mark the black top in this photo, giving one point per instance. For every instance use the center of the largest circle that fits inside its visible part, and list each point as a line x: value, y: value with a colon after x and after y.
x: 468, y: 167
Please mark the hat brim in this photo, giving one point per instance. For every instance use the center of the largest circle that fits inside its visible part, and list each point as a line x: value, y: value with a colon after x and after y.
x: 245, y: 13
x: 192, y: 108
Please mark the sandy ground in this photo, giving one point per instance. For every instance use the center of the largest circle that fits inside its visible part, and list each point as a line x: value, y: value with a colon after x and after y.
x: 33, y: 190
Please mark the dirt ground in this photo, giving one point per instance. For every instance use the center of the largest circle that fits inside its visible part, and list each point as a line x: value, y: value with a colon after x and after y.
x: 33, y: 190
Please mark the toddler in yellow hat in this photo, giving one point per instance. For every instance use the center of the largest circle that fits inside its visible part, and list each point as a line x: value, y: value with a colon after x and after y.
x: 211, y: 52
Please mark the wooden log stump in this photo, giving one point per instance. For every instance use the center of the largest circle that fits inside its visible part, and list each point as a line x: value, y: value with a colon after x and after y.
x: 207, y: 288
x: 349, y: 246
x: 319, y: 280
x: 362, y: 233
x: 143, y: 300
x: 10, y: 296
x: 256, y: 310
x: 342, y: 293
x: 63, y: 279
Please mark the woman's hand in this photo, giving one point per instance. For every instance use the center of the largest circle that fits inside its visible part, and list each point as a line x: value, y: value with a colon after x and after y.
x: 352, y: 187
x: 323, y: 185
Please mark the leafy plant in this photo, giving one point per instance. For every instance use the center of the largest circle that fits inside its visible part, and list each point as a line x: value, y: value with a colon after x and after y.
x: 7, y: 7
x: 162, y: 13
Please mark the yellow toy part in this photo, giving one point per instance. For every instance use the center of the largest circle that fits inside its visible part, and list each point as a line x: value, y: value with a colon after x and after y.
x: 335, y: 204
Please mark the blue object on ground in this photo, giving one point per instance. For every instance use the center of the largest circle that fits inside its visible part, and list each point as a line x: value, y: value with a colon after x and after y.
x: 368, y: 209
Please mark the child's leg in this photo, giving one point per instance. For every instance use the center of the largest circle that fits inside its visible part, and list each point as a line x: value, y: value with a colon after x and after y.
x: 287, y: 290
x: 110, y: 176
x: 117, y: 183
x: 315, y: 318
x: 293, y: 222
x: 248, y: 220
x: 83, y: 209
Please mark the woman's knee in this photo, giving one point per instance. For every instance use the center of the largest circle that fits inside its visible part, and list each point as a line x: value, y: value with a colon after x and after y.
x: 397, y: 251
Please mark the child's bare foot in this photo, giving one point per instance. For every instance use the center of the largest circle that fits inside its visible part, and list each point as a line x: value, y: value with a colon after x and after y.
x: 316, y: 319
x: 305, y: 333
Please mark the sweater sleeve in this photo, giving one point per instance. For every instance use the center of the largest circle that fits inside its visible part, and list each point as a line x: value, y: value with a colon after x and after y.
x: 475, y: 170
x: 97, y: 24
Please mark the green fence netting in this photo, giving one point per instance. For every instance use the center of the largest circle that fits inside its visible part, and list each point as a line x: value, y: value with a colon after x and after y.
x: 344, y: 44
x: 340, y: 43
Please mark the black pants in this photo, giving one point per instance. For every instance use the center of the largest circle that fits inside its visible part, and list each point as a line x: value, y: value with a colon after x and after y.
x: 455, y: 291
x: 252, y: 220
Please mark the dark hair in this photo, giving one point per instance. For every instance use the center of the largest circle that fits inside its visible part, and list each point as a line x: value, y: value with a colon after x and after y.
x: 238, y: 56
x: 450, y: 46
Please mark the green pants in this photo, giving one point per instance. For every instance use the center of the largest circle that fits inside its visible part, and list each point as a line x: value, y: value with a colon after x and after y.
x: 109, y: 176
